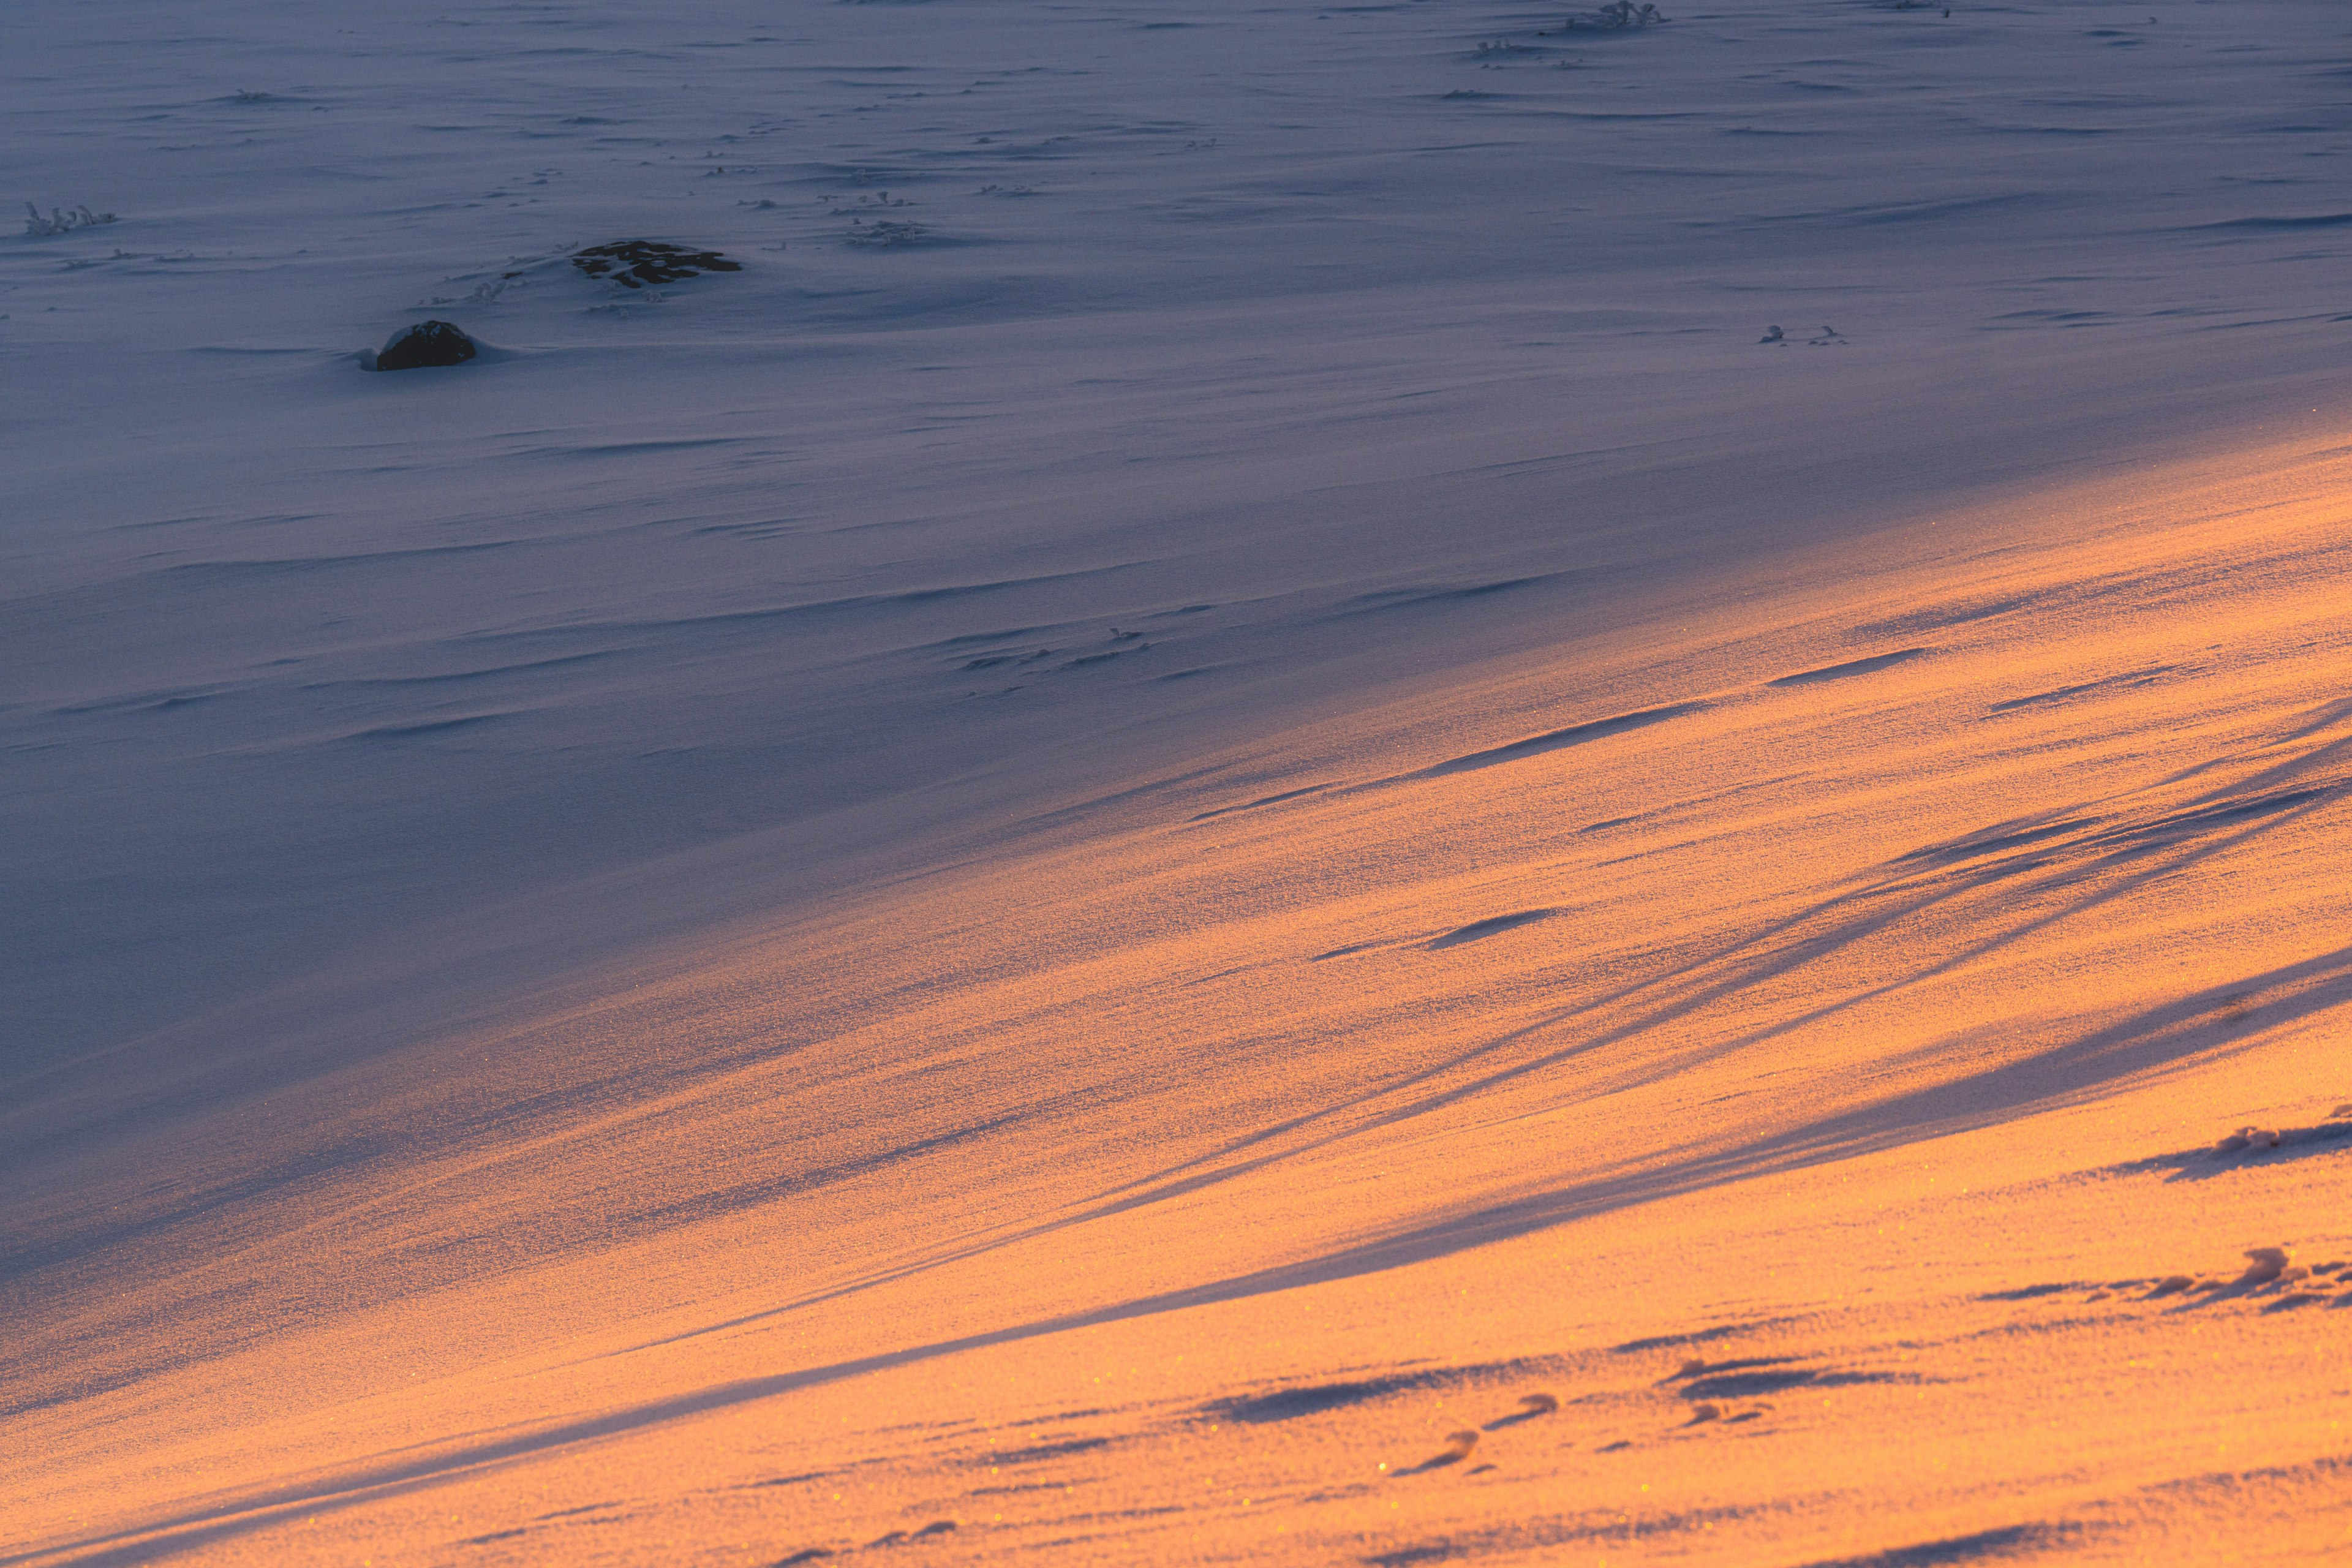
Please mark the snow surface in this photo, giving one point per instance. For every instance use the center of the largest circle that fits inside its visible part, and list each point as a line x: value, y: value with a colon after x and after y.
x: 906, y: 800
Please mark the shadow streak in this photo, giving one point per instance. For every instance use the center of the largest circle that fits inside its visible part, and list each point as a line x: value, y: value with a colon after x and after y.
x: 2148, y: 1041
x: 2068, y: 846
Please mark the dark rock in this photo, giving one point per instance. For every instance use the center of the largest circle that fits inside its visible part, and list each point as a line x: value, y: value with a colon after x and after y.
x: 426, y: 343
x: 634, y: 263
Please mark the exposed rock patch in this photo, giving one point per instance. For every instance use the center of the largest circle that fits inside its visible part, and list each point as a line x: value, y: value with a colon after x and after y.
x: 634, y: 263
x: 426, y: 344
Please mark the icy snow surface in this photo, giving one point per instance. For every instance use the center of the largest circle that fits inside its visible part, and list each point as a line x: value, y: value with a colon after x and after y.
x: 1116, y: 405
x: 1272, y: 334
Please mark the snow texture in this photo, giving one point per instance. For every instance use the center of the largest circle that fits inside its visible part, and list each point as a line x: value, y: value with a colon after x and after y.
x: 1082, y: 425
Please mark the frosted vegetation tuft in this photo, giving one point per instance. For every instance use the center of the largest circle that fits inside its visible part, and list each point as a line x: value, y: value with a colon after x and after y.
x: 61, y: 220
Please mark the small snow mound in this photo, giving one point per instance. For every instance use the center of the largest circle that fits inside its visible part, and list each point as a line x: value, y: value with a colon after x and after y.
x: 2264, y: 1264
x: 2248, y: 1138
x: 883, y: 233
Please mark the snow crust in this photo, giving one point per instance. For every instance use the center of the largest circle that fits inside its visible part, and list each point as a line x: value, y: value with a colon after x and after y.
x: 1130, y: 422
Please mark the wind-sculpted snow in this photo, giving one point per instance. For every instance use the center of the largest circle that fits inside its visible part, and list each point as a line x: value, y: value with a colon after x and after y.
x: 1131, y: 785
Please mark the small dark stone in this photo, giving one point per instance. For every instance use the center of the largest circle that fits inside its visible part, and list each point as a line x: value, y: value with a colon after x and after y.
x: 634, y: 263
x: 426, y: 343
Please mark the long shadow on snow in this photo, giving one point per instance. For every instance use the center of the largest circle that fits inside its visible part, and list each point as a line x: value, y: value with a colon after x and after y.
x: 2203, y: 1164
x: 1885, y: 904
x: 2166, y: 840
x: 2153, y: 1039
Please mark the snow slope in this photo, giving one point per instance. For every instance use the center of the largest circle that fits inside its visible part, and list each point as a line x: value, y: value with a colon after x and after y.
x: 1092, y: 868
